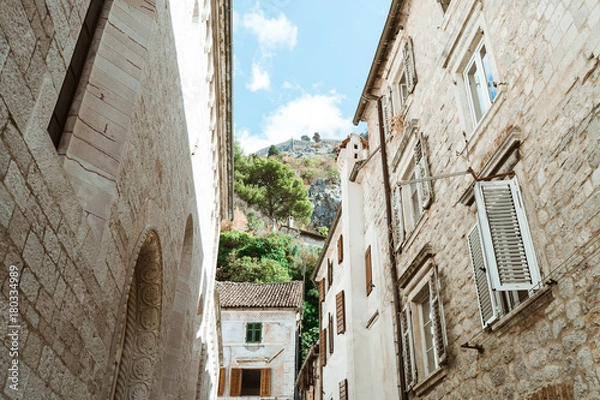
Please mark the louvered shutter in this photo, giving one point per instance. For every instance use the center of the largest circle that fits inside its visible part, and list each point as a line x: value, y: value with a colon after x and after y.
x: 323, y: 347
x: 221, y: 387
x: 343, y: 387
x: 340, y: 312
x: 235, y: 383
x: 340, y: 249
x: 329, y: 273
x: 487, y: 301
x: 265, y: 382
x: 409, y: 65
x: 508, y: 248
x: 369, y: 271
x: 386, y: 103
x: 437, y: 316
x: 408, y: 350
x: 422, y: 171
x: 398, y: 224
x: 322, y: 290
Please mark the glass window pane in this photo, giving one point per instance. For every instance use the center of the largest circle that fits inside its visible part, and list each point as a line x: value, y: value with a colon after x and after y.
x: 485, y: 61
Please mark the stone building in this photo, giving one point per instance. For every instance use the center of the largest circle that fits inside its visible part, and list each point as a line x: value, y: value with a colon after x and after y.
x: 486, y: 213
x: 356, y: 320
x: 260, y: 325
x: 115, y: 123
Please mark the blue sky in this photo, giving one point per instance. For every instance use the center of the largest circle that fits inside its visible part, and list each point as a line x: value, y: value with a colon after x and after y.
x: 300, y: 66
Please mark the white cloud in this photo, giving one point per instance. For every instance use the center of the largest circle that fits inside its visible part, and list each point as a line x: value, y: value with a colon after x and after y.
x: 305, y: 116
x: 260, y: 79
x: 272, y: 33
x: 249, y: 142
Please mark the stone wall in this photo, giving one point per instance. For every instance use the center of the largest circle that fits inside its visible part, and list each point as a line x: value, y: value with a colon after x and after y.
x: 98, y: 308
x: 545, y: 59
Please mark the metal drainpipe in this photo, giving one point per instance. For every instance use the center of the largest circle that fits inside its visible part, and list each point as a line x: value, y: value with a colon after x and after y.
x: 388, y: 213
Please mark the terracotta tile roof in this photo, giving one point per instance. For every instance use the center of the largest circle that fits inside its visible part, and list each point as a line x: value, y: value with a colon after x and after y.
x: 244, y: 294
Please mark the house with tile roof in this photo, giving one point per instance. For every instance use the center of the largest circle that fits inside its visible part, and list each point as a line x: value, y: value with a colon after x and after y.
x: 260, y: 325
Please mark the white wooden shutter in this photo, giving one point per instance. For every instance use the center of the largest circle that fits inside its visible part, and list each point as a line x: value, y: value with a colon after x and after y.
x: 422, y: 171
x: 387, y: 112
x: 504, y: 230
x: 398, y: 223
x: 409, y: 65
x: 487, y: 302
x: 437, y: 316
x: 408, y: 347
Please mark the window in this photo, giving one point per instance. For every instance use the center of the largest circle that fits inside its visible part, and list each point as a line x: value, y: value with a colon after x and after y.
x: 250, y: 382
x: 330, y: 330
x: 479, y: 81
x: 369, y: 271
x: 423, y: 331
x: 323, y: 346
x: 343, y: 388
x: 322, y: 290
x: 340, y: 249
x: 444, y: 4
x: 73, y: 73
x: 501, y: 250
x: 340, y: 312
x: 253, y: 332
x: 329, y: 273
x: 412, y: 198
x: 400, y: 94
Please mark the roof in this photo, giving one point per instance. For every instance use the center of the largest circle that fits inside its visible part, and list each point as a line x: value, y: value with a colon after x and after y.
x: 245, y: 294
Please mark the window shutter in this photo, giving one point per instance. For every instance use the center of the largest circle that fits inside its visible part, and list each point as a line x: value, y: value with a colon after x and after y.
x: 398, y: 224
x: 409, y: 63
x: 343, y: 386
x: 408, y: 350
x: 235, y: 384
x: 330, y: 331
x: 340, y: 249
x: 340, y: 312
x: 221, y: 387
x: 487, y: 302
x: 508, y: 248
x: 329, y: 273
x: 265, y: 382
x: 437, y: 316
x: 322, y: 290
x: 422, y: 171
x: 369, y: 271
x: 323, y: 347
x: 386, y: 103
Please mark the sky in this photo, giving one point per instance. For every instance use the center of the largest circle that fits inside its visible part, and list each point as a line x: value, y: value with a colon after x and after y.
x: 300, y: 67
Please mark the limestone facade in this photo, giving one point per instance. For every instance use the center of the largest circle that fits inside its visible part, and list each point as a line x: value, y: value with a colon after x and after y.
x: 108, y: 264
x: 494, y: 273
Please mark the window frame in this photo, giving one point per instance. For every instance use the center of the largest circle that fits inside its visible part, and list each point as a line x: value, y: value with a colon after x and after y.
x: 252, y: 330
x: 485, y: 98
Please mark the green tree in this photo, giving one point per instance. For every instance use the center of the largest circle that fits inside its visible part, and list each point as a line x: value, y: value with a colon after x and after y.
x: 275, y: 189
x: 305, y: 138
x: 273, y: 151
x: 252, y: 269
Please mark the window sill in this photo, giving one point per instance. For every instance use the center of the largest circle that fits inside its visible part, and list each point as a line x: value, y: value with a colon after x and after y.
x: 524, y: 310
x: 430, y: 382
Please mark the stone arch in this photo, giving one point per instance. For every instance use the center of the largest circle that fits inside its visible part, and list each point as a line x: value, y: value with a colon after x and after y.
x: 141, y: 336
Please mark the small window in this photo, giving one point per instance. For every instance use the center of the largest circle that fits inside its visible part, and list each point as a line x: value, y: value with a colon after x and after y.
x: 329, y: 273
x: 400, y: 94
x: 340, y: 249
x: 250, y: 382
x: 444, y: 4
x: 331, y: 334
x: 479, y: 81
x: 253, y: 332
